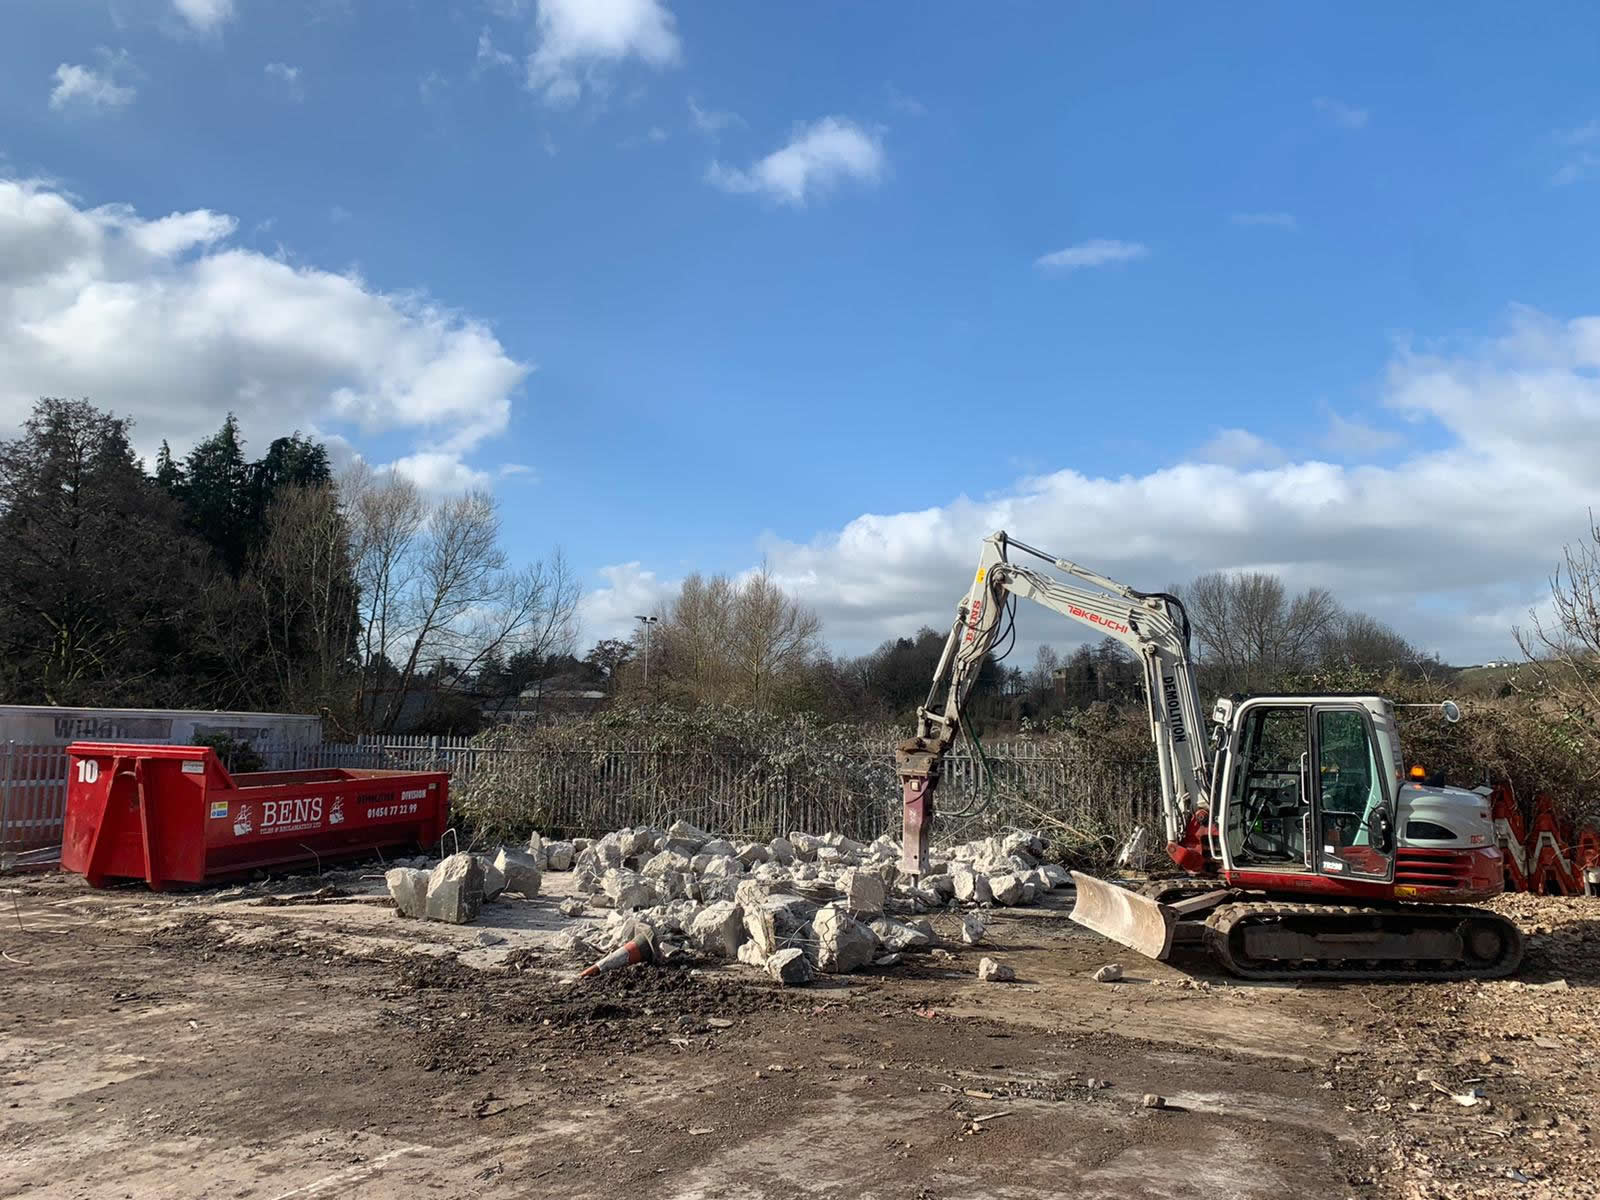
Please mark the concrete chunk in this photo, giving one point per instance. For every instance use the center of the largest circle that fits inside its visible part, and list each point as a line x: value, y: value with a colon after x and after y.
x: 804, y: 846
x: 520, y: 871
x: 455, y: 890
x: 992, y: 971
x: 970, y: 886
x: 750, y: 954
x: 777, y: 922
x: 718, y: 846
x: 751, y: 853
x: 790, y: 967
x: 897, y: 935
x: 1057, y: 875
x: 409, y: 888
x: 843, y: 943
x: 1006, y: 889
x: 782, y: 850
x: 682, y: 831
x: 494, y: 880
x: 573, y: 907
x: 971, y: 929
x: 863, y: 894
x: 719, y: 930
x: 628, y: 890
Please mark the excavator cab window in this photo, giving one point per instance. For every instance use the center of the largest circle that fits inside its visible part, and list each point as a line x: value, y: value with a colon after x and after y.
x: 1353, y: 803
x: 1268, y: 810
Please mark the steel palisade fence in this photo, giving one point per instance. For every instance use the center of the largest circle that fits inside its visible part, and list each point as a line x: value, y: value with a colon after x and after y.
x: 571, y: 792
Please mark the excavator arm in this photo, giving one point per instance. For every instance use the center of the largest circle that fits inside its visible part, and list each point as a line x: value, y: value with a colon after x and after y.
x: 1151, y: 624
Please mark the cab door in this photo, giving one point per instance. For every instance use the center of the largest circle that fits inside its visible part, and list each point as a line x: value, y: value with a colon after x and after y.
x: 1354, y: 806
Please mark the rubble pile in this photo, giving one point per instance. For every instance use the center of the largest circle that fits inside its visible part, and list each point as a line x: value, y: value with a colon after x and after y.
x: 795, y: 905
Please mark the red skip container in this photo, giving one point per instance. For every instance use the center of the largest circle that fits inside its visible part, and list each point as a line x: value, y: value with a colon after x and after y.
x: 173, y: 814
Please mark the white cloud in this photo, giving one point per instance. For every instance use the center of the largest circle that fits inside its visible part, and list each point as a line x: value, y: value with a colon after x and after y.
x: 1095, y: 253
x: 1274, y: 220
x: 87, y: 89
x: 628, y: 589
x: 1347, y: 436
x: 1240, y: 448
x: 1450, y: 543
x: 440, y: 473
x: 1583, y: 145
x: 287, y: 78
x: 490, y: 55
x: 1346, y: 116
x: 709, y: 121
x: 205, y: 16
x: 577, y: 38
x: 166, y: 321
x: 902, y: 103
x: 816, y: 158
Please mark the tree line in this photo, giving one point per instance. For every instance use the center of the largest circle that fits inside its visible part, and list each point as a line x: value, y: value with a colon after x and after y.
x: 218, y: 581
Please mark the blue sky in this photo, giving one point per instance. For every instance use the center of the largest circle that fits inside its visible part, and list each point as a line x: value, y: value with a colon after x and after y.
x: 687, y: 284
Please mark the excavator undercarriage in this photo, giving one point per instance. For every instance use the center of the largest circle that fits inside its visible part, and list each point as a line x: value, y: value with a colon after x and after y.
x: 1256, y: 937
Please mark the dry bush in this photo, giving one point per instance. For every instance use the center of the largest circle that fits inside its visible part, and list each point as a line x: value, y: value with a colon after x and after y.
x: 751, y: 774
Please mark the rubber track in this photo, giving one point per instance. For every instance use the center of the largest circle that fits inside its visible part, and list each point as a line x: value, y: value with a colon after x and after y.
x: 1221, y: 924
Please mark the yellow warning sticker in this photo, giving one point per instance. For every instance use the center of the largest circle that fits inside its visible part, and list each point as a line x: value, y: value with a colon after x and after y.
x: 980, y: 574
x: 219, y: 810
x: 1402, y: 890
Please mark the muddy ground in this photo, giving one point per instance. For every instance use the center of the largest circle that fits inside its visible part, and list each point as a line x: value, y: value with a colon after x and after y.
x: 212, y: 1045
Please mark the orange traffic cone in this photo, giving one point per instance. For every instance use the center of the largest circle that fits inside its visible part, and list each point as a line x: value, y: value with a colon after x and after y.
x: 637, y: 951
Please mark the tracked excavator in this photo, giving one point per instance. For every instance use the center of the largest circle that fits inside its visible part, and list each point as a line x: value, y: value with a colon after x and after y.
x: 1309, y: 851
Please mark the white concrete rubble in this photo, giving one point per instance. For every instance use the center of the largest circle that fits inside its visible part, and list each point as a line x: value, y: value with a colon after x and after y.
x: 790, y: 967
x: 520, y: 871
x: 409, y: 888
x: 993, y: 971
x: 843, y: 943
x: 455, y: 890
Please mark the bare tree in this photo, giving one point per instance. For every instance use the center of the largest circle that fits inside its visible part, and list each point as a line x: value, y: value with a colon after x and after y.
x: 726, y: 642
x: 287, y: 628
x: 773, y: 635
x: 1564, y: 648
x: 1249, y: 627
x: 437, y: 587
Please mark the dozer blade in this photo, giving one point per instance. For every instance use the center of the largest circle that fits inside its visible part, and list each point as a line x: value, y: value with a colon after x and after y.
x: 1136, y: 921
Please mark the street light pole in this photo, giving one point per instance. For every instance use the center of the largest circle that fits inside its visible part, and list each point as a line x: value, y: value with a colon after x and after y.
x: 646, y: 622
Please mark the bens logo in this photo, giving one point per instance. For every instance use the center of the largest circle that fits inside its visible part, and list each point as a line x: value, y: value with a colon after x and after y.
x: 277, y: 813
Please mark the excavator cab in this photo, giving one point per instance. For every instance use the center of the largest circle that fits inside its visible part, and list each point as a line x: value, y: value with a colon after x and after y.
x: 1306, y: 788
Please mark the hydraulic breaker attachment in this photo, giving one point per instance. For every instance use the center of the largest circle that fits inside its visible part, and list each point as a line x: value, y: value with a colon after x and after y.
x: 917, y: 764
x: 1136, y: 921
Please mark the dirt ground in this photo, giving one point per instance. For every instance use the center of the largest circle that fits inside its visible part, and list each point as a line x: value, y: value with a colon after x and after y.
x: 213, y: 1045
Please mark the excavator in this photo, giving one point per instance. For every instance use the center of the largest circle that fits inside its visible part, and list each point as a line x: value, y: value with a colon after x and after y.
x: 1307, y: 850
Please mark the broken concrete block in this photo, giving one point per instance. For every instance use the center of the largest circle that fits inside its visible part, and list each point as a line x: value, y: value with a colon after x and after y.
x: 972, y: 929
x: 843, y: 943
x: 719, y: 930
x: 717, y: 846
x: 635, y: 841
x: 750, y: 954
x: 1109, y: 973
x: 863, y: 894
x: 488, y: 938
x: 628, y: 890
x: 667, y: 860
x: 494, y: 880
x: 970, y: 886
x: 682, y: 831
x: 588, y: 882
x: 991, y: 971
x: 804, y: 846
x: 675, y: 885
x: 409, y: 888
x: 896, y: 935
x: 887, y: 960
x: 723, y: 866
x: 455, y: 890
x: 579, y: 845
x: 942, y: 886
x: 751, y: 853
x: 782, y: 851
x: 578, y: 945
x: 520, y: 871
x: 1058, y: 876
x: 558, y: 856
x: 790, y: 967
x: 776, y: 922
x: 712, y: 889
x: 1006, y: 889
x: 573, y: 907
